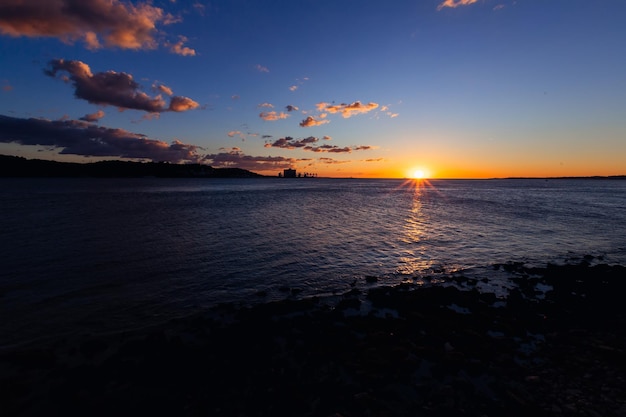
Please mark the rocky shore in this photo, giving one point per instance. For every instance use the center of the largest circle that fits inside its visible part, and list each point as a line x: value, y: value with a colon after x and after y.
x: 554, y: 346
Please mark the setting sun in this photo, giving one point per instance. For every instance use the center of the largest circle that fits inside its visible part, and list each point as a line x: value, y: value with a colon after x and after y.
x: 418, y: 174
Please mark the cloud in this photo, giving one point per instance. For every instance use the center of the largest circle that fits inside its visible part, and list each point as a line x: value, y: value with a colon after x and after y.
x: 81, y: 138
x: 327, y: 138
x: 178, y: 104
x: 163, y: 89
x: 235, y: 97
x: 93, y: 117
x: 178, y: 48
x: 113, y: 88
x: 311, y: 121
x: 291, y: 143
x: 299, y: 82
x: 268, y: 105
x: 498, y: 7
x: 234, y: 133
x: 261, y: 68
x: 306, y: 144
x: 272, y: 115
x: 455, y: 3
x: 97, y: 23
x: 291, y: 108
x: 331, y: 161
x: 236, y: 158
x: 347, y: 110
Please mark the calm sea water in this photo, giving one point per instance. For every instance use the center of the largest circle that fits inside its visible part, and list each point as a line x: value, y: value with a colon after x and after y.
x: 98, y: 255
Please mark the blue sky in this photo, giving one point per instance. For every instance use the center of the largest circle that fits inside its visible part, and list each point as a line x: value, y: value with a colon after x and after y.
x: 457, y: 88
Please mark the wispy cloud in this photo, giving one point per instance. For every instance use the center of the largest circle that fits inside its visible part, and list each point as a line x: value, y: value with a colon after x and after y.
x: 266, y: 105
x: 77, y: 137
x: 272, y: 115
x: 113, y: 88
x: 97, y: 23
x: 455, y: 3
x: 261, y: 68
x: 331, y: 161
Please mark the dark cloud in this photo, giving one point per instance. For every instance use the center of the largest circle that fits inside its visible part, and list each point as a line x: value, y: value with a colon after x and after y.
x: 113, y: 88
x: 81, y: 138
x: 291, y: 143
x: 291, y: 108
x: 236, y: 158
x: 305, y: 144
x: 97, y: 23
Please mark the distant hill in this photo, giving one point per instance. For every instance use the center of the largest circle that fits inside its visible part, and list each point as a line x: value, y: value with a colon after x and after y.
x: 14, y: 166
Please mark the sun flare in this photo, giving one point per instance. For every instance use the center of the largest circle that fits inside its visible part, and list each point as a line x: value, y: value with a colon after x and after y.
x: 418, y: 174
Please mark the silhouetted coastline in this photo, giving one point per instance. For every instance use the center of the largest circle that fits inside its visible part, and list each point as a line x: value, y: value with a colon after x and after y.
x: 553, y: 346
x: 13, y: 166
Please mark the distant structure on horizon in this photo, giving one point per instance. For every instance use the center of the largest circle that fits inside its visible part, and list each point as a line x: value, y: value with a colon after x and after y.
x: 291, y: 173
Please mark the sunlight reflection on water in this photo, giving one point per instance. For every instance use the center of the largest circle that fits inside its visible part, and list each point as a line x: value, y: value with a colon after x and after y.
x: 165, y: 247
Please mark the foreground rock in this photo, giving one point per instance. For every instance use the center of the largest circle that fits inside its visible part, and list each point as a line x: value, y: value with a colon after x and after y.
x: 556, y: 346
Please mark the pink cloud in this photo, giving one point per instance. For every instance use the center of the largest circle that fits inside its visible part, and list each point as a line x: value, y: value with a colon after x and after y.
x: 178, y: 48
x: 311, y: 121
x: 93, y: 117
x: 178, y: 104
x: 347, y: 110
x: 97, y: 23
x: 113, y: 88
x: 455, y: 3
x: 272, y: 115
x: 163, y: 89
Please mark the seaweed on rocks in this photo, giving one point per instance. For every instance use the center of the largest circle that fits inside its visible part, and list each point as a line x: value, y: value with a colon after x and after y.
x: 419, y: 351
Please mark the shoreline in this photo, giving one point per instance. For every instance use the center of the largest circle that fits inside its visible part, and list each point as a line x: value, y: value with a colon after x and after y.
x: 556, y: 345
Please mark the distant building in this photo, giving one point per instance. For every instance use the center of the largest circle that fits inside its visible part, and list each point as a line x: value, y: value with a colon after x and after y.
x: 289, y: 173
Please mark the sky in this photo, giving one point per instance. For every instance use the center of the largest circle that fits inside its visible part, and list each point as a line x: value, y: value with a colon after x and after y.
x: 350, y: 88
